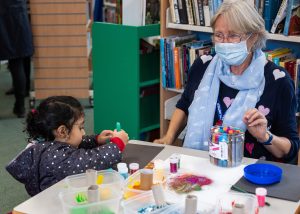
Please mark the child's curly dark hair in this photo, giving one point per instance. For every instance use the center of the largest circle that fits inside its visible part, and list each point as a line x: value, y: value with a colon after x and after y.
x: 50, y: 114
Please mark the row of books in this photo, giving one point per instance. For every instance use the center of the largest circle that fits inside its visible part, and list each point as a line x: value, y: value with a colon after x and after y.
x: 177, y: 55
x: 281, y: 16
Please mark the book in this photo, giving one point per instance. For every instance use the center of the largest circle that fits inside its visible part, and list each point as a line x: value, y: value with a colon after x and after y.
x: 182, y: 10
x: 280, y: 15
x: 174, y: 11
x: 196, y: 12
x: 201, y: 12
x: 270, y: 11
x: 189, y: 10
x: 292, y: 5
x: 206, y: 13
x: 294, y: 28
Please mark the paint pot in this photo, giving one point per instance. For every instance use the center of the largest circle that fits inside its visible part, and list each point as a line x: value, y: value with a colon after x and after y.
x: 261, y: 193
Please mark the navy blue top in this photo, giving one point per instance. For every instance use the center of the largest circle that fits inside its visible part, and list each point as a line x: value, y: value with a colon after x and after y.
x: 277, y: 103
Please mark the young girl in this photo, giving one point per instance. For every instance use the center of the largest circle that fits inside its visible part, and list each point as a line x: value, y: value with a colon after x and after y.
x: 59, y: 148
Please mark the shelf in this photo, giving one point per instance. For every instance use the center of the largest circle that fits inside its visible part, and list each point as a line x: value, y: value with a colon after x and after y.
x: 108, y: 4
x: 149, y: 82
x: 149, y: 128
x: 175, y: 90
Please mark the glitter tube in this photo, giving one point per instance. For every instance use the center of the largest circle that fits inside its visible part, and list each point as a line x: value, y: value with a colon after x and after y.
x: 173, y: 165
x: 158, y: 195
x: 93, y: 194
x: 261, y: 196
x: 91, y: 177
x: 190, y: 204
x: 146, y: 179
x: 133, y: 167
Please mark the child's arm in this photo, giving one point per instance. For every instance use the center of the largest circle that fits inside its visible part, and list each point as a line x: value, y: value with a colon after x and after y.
x: 74, y: 161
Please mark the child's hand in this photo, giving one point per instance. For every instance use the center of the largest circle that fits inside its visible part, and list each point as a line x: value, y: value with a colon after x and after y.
x: 104, y: 136
x: 122, y: 135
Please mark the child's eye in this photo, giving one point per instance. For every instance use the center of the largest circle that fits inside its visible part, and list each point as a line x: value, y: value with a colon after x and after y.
x: 81, y: 127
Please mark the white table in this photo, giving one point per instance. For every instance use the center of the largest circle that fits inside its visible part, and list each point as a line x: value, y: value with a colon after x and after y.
x: 47, y: 202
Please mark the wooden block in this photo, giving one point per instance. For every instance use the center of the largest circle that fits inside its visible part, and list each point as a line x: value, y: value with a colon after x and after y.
x: 78, y: 93
x: 60, y: 63
x: 64, y: 83
x: 60, y: 52
x: 59, y: 30
x: 59, y: 41
x: 61, y: 73
x: 58, y: 19
x: 58, y: 8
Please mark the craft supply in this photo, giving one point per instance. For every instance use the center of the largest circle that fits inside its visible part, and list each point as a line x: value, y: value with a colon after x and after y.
x: 173, y: 164
x: 261, y: 196
x: 91, y: 177
x: 176, y: 155
x: 159, y: 172
x: 93, y: 194
x: 118, y: 126
x: 146, y: 179
x: 133, y: 167
x: 190, y: 204
x: 81, y: 198
x: 158, y: 195
x: 187, y: 182
x: 226, y: 146
x: 123, y: 169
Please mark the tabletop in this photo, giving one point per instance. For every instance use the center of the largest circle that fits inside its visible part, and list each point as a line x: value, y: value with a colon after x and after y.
x: 47, y: 201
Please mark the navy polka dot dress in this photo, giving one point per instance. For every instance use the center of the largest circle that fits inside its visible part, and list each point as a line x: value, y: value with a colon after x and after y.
x: 44, y: 164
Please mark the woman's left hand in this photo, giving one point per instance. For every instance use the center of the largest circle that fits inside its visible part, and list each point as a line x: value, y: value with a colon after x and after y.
x: 256, y: 124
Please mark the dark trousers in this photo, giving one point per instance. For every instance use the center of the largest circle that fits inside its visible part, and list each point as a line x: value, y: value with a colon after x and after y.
x: 16, y: 67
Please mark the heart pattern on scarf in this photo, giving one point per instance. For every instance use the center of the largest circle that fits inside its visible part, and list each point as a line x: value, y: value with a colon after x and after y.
x: 249, y: 147
x: 228, y: 101
x: 263, y: 110
x: 278, y: 74
x: 205, y: 58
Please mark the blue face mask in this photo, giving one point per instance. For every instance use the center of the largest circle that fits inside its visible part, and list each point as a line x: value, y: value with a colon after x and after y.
x: 232, y: 53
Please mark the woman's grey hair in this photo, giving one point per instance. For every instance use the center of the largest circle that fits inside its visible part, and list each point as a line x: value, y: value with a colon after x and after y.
x: 243, y: 17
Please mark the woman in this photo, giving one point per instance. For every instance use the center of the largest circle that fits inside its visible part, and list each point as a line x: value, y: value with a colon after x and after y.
x: 239, y: 88
x: 15, y: 45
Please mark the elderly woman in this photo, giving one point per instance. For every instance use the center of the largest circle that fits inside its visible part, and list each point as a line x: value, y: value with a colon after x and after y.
x: 240, y: 88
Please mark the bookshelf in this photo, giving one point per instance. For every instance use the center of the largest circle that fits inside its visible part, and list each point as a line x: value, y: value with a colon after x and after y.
x: 168, y: 28
x: 126, y: 83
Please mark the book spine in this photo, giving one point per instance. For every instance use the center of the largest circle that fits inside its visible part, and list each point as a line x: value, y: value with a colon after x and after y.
x: 280, y: 15
x: 182, y: 12
x: 177, y: 68
x: 163, y: 62
x: 172, y: 11
x: 206, y: 13
x: 288, y: 17
x: 196, y: 12
x: 176, y: 12
x: 201, y: 12
x: 189, y: 12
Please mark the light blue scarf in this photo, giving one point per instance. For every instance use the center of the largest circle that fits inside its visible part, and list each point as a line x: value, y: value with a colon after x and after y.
x: 202, y: 110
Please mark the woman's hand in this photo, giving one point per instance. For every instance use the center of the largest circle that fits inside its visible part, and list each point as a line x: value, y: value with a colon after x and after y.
x: 122, y: 135
x: 256, y: 124
x: 104, y: 136
x: 163, y: 140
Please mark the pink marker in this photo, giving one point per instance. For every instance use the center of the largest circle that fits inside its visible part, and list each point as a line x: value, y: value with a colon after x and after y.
x: 261, y: 196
